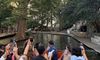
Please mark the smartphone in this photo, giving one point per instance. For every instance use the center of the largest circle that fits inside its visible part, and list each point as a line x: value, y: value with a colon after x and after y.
x: 31, y: 39
x: 12, y: 45
x: 81, y: 46
x: 50, y: 53
x: 14, y: 42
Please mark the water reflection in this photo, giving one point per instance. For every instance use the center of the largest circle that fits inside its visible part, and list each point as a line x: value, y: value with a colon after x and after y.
x: 60, y: 40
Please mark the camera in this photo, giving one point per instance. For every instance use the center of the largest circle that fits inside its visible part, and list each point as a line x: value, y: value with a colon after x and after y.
x: 12, y: 44
x: 81, y: 45
x: 31, y: 39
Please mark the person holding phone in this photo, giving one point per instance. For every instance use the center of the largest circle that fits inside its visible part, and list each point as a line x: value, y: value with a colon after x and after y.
x: 1, y: 50
x: 52, y: 51
x: 7, y: 52
x: 8, y: 55
x: 66, y: 55
x: 25, y: 52
x: 40, y: 49
x: 79, y: 53
x: 84, y: 52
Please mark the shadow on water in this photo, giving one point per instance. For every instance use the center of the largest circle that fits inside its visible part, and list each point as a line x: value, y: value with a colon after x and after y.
x: 61, y: 41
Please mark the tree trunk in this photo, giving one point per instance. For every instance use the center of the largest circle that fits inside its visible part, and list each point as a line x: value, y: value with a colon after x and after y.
x: 51, y: 21
x: 61, y: 24
x: 47, y: 22
x: 21, y: 29
x: 22, y: 16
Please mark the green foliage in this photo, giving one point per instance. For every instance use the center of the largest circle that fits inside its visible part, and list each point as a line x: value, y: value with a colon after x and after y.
x: 32, y: 24
x: 76, y: 10
x: 44, y: 10
x: 5, y: 11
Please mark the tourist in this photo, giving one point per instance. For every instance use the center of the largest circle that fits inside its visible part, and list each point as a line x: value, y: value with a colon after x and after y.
x: 52, y: 50
x: 40, y: 50
x: 84, y: 52
x: 7, y: 52
x: 25, y: 53
x: 67, y: 54
x: 78, y: 54
x: 35, y: 52
x: 1, y: 50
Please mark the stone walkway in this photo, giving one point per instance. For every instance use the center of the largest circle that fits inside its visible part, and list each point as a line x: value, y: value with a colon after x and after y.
x: 88, y: 43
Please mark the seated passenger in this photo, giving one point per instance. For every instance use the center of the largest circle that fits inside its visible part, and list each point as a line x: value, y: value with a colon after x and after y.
x: 1, y: 50
x: 40, y: 50
x: 78, y: 54
x: 51, y: 49
x: 7, y: 52
x: 24, y: 56
x: 66, y: 55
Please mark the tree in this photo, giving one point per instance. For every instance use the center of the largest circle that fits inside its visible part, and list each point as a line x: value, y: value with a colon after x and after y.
x: 75, y: 10
x: 45, y: 11
x: 20, y: 12
x: 5, y: 10
x: 5, y: 13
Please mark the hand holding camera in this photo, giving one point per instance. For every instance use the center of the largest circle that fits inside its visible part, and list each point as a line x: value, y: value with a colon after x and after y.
x: 81, y: 46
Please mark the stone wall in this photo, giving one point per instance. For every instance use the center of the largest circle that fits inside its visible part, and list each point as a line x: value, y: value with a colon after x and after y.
x: 96, y: 40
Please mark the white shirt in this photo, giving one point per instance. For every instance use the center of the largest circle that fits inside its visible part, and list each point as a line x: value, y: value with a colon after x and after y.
x: 2, y: 58
x: 73, y: 57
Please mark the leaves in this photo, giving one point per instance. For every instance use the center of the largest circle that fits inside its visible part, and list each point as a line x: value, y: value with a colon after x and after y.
x: 5, y: 11
x: 76, y: 10
x: 44, y: 10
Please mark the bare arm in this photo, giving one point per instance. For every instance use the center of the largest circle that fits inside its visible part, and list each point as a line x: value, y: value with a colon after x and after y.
x: 27, y: 47
x: 7, y: 52
x: 15, y: 52
x: 84, y: 54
